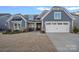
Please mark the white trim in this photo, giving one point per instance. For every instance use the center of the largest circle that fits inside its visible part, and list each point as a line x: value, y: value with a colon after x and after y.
x: 72, y: 25
x: 19, y: 16
x: 45, y: 15
x: 69, y: 14
x: 57, y: 15
x: 8, y: 25
x: 43, y: 18
x: 10, y: 18
x: 24, y: 20
x: 22, y: 17
x: 42, y: 26
x: 16, y: 15
x: 17, y: 22
x: 57, y: 28
x: 65, y: 10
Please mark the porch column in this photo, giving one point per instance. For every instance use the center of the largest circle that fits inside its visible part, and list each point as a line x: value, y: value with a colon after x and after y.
x: 35, y: 26
x: 8, y: 25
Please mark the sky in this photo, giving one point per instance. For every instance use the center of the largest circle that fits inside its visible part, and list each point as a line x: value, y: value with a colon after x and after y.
x: 35, y: 6
x: 39, y: 2
x: 32, y: 9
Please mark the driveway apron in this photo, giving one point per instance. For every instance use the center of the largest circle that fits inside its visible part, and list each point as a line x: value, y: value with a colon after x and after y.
x: 65, y: 42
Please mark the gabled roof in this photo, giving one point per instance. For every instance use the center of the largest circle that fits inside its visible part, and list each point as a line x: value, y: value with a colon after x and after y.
x: 76, y: 17
x: 17, y: 17
x: 42, y: 14
x: 59, y: 8
x: 27, y: 17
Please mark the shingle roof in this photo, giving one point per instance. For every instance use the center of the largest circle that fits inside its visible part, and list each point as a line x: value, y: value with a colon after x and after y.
x: 43, y: 13
x: 27, y: 17
x: 3, y: 19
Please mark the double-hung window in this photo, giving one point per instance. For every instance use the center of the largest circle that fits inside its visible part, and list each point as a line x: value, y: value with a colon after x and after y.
x: 57, y: 15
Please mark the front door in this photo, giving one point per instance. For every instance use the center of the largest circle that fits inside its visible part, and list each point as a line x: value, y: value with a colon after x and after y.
x: 38, y: 26
x: 31, y: 27
x: 17, y: 26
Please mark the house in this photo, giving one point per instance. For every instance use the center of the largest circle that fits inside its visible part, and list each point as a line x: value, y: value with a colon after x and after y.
x: 57, y: 19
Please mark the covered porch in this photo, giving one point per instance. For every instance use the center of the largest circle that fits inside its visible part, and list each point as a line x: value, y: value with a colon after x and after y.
x: 34, y: 26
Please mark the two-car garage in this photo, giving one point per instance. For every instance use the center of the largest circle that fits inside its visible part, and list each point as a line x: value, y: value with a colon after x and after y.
x: 57, y: 26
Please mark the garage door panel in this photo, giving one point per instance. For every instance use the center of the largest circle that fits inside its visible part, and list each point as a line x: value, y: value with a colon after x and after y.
x: 57, y: 28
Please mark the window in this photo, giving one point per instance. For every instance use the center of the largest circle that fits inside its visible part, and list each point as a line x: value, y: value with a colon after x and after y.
x: 65, y: 23
x: 19, y: 25
x: 57, y: 15
x: 59, y: 23
x: 31, y: 17
x: 15, y: 25
x: 54, y: 23
x: 48, y: 23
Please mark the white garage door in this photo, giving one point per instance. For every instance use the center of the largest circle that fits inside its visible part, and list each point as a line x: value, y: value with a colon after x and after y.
x: 57, y: 26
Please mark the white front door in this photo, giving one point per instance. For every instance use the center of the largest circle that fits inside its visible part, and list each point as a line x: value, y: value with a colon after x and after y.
x: 57, y: 26
x: 17, y: 25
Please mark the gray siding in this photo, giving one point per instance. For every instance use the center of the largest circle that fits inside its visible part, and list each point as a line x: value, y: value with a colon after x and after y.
x: 17, y: 18
x: 23, y: 23
x: 64, y: 17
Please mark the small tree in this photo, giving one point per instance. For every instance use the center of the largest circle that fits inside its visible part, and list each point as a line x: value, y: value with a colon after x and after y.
x: 75, y: 29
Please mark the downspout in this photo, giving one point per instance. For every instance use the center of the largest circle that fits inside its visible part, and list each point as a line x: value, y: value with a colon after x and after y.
x: 42, y: 29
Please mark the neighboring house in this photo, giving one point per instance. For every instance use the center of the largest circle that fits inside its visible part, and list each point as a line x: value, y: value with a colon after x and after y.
x: 57, y: 19
x: 76, y: 20
x: 3, y: 21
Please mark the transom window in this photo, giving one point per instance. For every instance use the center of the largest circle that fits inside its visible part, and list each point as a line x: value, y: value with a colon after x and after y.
x: 57, y: 15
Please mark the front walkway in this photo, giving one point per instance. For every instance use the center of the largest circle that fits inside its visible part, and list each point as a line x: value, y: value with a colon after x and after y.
x: 30, y: 41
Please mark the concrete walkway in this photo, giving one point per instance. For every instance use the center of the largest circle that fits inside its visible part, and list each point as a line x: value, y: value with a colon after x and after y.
x: 65, y: 42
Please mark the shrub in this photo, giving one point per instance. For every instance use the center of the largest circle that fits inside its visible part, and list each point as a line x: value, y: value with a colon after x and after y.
x: 10, y: 32
x: 24, y: 30
x: 6, y: 32
x: 17, y: 31
x: 75, y: 29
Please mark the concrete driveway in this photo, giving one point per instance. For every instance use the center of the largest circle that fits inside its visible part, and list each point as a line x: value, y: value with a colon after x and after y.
x: 65, y: 42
